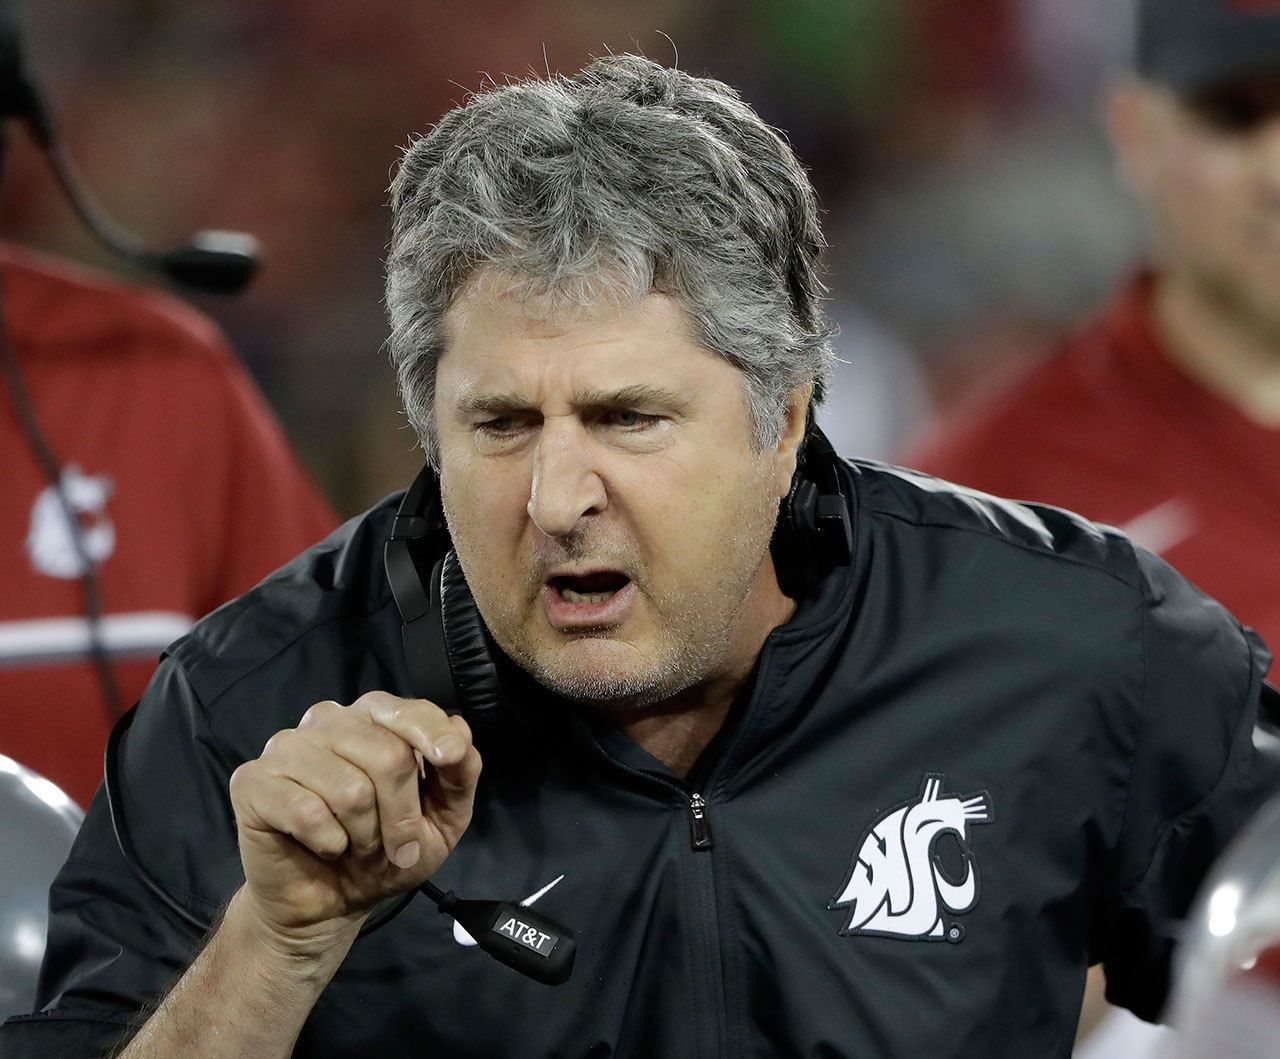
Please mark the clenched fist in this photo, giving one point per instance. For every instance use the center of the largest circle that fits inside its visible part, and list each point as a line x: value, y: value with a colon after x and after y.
x: 356, y: 804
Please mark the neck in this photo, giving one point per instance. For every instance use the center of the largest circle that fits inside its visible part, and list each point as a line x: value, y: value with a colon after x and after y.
x: 1221, y: 347
x: 677, y: 730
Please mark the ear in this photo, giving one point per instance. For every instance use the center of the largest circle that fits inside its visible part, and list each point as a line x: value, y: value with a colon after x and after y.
x: 794, y: 423
x: 1131, y: 110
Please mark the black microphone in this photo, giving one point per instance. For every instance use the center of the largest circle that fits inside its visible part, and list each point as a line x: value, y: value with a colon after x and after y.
x: 536, y: 946
x: 214, y: 262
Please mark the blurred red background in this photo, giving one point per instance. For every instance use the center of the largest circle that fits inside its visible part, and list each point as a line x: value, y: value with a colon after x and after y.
x: 972, y: 205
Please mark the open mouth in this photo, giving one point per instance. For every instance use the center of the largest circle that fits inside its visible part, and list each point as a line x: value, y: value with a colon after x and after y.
x: 592, y: 588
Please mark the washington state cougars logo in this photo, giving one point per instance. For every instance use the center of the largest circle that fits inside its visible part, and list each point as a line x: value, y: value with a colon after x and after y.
x: 899, y: 885
x: 51, y: 543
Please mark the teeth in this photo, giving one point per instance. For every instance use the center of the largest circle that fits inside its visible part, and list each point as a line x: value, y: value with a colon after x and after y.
x: 585, y: 597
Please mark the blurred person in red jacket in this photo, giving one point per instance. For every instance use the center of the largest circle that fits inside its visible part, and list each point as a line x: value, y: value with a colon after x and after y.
x: 185, y: 488
x: 1162, y: 413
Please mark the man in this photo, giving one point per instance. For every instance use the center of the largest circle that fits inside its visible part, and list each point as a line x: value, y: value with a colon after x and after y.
x: 1162, y: 414
x: 886, y: 788
x: 186, y: 490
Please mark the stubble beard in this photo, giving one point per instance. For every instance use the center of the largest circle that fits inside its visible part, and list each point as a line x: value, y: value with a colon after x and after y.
x: 691, y: 651
x: 696, y: 633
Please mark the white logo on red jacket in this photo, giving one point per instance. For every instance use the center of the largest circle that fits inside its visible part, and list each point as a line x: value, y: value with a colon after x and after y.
x: 50, y: 545
x: 898, y: 886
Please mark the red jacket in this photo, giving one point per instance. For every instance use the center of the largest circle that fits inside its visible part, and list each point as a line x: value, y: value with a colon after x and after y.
x: 1110, y: 426
x: 185, y: 484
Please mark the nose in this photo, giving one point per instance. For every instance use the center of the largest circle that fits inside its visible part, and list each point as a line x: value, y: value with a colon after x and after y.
x: 565, y: 486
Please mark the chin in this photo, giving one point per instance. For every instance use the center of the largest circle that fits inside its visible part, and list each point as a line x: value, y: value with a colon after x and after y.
x: 604, y: 672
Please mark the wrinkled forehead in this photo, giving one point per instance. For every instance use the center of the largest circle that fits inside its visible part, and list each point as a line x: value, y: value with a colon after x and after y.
x: 508, y: 332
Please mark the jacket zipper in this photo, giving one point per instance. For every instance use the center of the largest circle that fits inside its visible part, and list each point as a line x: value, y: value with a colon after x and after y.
x: 723, y: 1040
x: 700, y: 839
x: 699, y: 821
x: 699, y: 824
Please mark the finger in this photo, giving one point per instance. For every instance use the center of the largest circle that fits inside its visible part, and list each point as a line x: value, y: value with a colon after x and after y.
x: 459, y: 778
x: 345, y: 788
x: 459, y: 722
x: 266, y: 802
x: 389, y: 762
x: 455, y: 783
x: 449, y: 795
x: 420, y: 723
x: 415, y: 724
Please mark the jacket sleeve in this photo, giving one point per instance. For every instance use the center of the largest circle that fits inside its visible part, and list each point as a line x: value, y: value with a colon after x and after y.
x: 113, y: 948
x: 1196, y: 777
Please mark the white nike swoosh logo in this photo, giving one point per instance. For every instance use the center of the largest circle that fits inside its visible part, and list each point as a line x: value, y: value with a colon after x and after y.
x: 1163, y: 527
x: 460, y: 934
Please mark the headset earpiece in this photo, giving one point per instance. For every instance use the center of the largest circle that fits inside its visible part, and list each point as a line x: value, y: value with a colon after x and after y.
x: 450, y: 656
x: 472, y: 654
x: 815, y: 529
x: 425, y: 653
x: 446, y: 646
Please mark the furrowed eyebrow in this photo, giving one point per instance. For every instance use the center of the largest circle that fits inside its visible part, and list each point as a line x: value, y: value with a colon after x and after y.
x: 639, y: 395
x: 475, y: 405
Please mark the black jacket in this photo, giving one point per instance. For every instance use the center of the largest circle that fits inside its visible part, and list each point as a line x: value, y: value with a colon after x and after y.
x: 1002, y: 745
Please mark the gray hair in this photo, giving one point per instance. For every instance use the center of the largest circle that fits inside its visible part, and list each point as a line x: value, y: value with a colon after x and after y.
x: 625, y: 179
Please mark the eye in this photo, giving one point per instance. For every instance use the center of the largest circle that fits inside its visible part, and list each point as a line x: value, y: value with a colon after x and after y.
x: 1230, y: 116
x: 1235, y: 110
x: 500, y: 426
x: 503, y: 433
x: 629, y: 419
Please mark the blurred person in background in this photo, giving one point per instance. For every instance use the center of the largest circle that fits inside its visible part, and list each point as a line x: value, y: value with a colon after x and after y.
x: 145, y: 481
x: 185, y: 487
x: 1161, y: 414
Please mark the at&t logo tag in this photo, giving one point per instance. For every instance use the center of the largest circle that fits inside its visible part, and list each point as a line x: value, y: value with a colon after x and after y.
x: 530, y: 937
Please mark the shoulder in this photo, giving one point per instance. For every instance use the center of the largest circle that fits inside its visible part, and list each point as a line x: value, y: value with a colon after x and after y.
x: 1079, y: 589
x: 314, y: 629
x: 57, y: 308
x: 952, y: 518
x: 957, y: 518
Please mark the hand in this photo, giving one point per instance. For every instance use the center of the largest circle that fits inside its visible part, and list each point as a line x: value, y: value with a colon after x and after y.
x: 332, y: 818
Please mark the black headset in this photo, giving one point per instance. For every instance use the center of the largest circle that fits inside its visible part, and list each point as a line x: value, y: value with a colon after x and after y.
x: 451, y: 657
